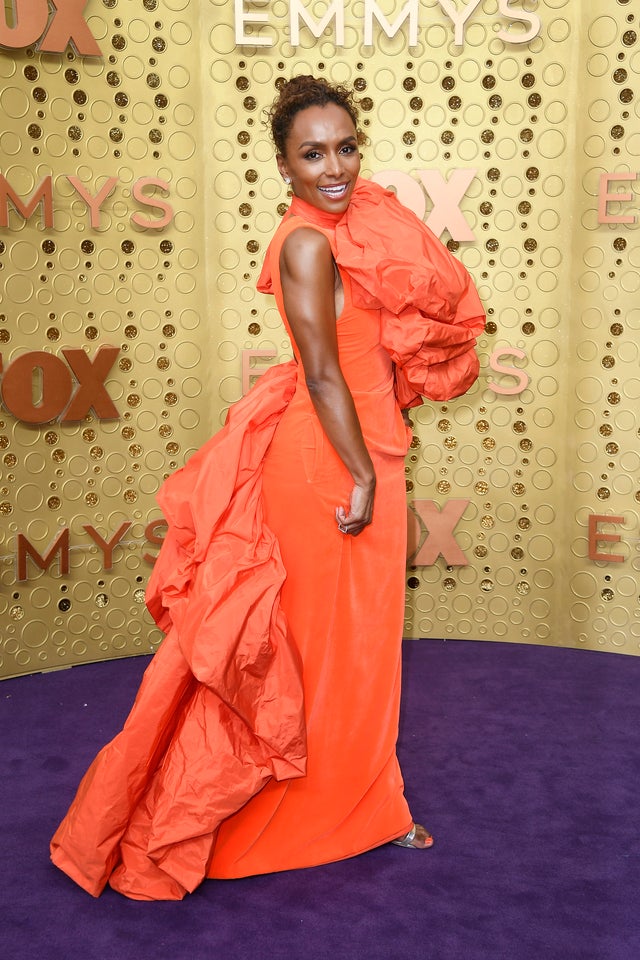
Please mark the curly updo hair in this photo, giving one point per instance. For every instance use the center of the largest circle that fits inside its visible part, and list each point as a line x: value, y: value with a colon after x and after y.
x: 305, y: 91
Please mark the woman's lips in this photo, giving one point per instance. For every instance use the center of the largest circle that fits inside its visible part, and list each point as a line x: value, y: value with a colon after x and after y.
x: 335, y: 193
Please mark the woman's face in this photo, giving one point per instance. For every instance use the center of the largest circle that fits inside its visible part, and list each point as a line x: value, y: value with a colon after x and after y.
x: 321, y: 157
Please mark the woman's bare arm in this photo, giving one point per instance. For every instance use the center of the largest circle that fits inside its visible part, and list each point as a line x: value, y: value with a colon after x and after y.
x: 308, y: 275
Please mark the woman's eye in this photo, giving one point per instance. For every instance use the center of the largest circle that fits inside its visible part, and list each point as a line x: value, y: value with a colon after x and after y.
x: 312, y: 155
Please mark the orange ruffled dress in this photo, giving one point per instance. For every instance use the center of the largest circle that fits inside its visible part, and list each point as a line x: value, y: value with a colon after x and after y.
x: 263, y: 735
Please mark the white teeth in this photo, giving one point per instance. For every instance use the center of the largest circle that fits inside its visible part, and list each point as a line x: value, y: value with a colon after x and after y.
x: 334, y: 191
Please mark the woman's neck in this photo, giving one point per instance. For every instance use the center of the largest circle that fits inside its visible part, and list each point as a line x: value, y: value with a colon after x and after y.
x: 322, y: 218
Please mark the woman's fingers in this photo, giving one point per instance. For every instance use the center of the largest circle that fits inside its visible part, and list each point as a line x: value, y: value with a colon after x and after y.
x: 360, y: 512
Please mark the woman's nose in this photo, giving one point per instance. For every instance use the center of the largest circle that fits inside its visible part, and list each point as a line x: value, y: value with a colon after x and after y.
x: 333, y: 164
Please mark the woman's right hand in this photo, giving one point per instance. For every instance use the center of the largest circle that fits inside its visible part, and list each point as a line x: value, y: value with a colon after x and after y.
x: 360, y: 512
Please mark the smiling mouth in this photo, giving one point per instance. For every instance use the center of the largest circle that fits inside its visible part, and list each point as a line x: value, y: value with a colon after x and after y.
x: 335, y: 193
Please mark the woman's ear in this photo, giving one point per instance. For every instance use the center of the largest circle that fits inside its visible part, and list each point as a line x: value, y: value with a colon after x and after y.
x: 282, y: 168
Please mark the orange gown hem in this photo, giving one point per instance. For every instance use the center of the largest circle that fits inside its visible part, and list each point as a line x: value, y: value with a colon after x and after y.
x: 318, y: 863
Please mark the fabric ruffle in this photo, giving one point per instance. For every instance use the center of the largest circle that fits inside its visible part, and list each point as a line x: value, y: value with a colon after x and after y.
x: 430, y: 311
x: 220, y: 708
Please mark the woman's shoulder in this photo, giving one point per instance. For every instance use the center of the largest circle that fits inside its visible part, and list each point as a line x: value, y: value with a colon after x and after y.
x: 304, y: 241
x: 293, y: 223
x: 298, y: 244
x: 305, y: 255
x: 305, y: 236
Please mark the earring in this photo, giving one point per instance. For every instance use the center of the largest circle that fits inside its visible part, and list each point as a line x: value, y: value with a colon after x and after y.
x: 287, y: 180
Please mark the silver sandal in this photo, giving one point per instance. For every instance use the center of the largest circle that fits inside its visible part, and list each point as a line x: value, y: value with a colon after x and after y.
x: 407, y: 840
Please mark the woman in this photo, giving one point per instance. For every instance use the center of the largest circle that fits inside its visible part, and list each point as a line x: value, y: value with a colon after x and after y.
x: 239, y: 758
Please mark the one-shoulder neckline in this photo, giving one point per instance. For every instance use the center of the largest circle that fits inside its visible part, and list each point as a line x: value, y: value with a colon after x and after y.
x: 322, y: 218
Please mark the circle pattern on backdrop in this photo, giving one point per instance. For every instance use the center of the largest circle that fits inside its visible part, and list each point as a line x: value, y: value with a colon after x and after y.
x: 162, y: 297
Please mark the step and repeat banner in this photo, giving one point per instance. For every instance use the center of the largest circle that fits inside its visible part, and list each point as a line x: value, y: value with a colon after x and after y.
x: 138, y: 193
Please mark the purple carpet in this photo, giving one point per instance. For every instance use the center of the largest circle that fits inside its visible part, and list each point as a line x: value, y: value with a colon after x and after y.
x: 523, y: 761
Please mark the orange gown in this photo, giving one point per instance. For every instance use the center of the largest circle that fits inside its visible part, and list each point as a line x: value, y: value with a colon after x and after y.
x: 263, y: 735
x: 344, y: 602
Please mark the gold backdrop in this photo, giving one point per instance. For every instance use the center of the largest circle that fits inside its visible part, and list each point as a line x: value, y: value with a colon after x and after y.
x: 139, y: 193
